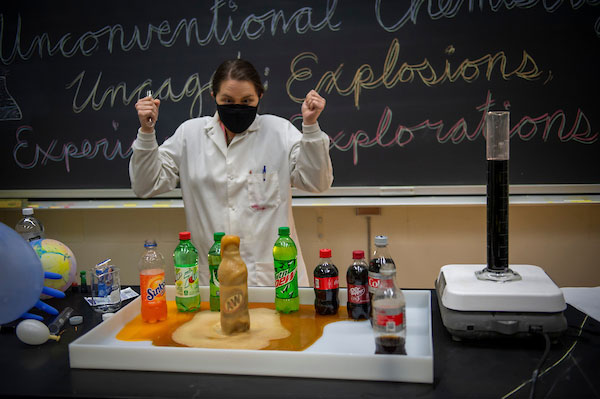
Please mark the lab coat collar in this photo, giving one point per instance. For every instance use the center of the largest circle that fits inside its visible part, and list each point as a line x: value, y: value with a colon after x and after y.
x: 216, y: 134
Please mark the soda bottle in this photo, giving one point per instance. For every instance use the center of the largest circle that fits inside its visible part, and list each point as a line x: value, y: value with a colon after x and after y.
x: 286, y: 273
x: 233, y: 276
x: 357, y: 277
x: 152, y: 284
x: 389, y: 314
x: 326, y: 285
x: 381, y: 256
x: 187, y: 290
x: 29, y: 227
x: 214, y: 259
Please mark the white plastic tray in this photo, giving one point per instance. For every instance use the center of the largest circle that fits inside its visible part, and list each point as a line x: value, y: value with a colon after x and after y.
x: 345, y: 350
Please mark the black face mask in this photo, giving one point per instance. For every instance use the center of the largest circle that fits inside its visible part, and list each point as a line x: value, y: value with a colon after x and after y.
x: 236, y: 117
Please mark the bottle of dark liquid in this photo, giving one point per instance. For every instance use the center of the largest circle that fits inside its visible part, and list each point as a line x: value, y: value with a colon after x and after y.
x: 357, y: 277
x: 326, y: 285
x: 381, y: 256
x: 497, y: 127
x: 389, y: 315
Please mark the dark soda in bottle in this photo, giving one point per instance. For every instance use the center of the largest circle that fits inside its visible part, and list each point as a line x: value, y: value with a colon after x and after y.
x: 326, y: 285
x: 357, y: 277
x: 381, y: 256
x: 389, y: 315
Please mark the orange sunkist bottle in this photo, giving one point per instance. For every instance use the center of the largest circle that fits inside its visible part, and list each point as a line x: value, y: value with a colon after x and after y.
x: 152, y: 284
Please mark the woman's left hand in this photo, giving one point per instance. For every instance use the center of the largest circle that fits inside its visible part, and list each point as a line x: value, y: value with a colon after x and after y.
x: 312, y: 107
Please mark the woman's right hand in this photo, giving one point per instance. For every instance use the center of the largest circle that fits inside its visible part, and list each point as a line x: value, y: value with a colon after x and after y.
x: 147, y: 109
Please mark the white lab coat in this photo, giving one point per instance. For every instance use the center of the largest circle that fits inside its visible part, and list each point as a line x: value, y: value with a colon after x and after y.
x: 224, y: 187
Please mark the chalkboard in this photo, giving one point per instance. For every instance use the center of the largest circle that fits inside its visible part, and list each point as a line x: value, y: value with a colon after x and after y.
x: 407, y: 83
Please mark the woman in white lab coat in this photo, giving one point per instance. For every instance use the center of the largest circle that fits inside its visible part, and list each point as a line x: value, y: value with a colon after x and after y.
x: 235, y: 168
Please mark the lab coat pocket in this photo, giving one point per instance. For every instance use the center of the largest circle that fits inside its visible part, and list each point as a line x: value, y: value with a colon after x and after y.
x: 263, y: 191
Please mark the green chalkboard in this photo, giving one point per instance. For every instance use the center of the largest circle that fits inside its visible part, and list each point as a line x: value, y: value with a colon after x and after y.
x: 407, y: 83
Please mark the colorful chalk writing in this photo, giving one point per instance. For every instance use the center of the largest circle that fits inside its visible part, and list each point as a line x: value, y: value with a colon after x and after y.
x: 28, y: 154
x: 113, y: 37
x: 468, y: 70
x: 449, y: 9
x: 405, y: 82
x: 526, y: 129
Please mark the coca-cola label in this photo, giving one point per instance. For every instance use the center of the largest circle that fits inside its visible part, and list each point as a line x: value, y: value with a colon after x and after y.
x: 358, y: 293
x: 327, y: 283
x: 389, y: 322
x: 374, y: 282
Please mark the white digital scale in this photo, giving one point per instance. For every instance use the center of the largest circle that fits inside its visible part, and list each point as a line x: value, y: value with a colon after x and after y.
x: 475, y: 308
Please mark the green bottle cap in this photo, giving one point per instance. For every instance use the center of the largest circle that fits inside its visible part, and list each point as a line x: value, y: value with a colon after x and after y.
x: 284, y: 231
x: 218, y: 236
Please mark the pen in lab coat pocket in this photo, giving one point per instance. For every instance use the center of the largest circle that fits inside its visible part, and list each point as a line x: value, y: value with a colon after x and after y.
x: 264, y: 172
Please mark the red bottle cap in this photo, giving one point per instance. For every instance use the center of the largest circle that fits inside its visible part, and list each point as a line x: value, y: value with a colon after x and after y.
x: 358, y: 254
x: 325, y: 253
x: 185, y: 235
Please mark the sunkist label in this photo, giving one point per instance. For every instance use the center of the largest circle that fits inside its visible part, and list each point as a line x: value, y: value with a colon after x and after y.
x: 358, y: 293
x: 153, y: 287
x: 326, y: 283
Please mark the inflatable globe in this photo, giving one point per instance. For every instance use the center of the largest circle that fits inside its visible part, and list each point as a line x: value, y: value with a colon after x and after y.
x: 56, y: 257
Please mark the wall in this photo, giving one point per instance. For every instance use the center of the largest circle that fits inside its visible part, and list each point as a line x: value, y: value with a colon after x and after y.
x: 563, y: 239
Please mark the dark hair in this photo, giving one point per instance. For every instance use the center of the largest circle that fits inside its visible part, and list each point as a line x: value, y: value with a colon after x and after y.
x: 237, y: 69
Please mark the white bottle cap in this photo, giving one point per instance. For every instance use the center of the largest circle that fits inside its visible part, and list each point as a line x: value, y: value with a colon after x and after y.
x: 381, y: 241
x: 27, y: 211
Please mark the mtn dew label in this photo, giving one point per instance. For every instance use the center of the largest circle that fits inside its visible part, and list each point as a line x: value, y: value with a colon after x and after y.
x: 286, y: 279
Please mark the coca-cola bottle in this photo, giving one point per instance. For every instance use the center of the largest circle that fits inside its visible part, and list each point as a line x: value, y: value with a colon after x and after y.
x: 326, y: 285
x: 357, y: 277
x: 381, y: 256
x: 389, y: 314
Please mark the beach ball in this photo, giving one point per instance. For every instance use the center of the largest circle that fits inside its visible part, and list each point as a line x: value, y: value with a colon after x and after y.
x: 56, y: 257
x: 21, y: 275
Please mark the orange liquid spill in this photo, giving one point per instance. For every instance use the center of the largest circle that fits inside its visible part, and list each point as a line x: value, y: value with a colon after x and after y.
x: 304, y: 325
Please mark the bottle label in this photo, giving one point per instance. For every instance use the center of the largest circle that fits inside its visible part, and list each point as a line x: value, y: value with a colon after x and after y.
x: 286, y: 279
x: 327, y: 283
x: 358, y: 293
x: 214, y: 280
x: 234, y: 301
x: 152, y: 287
x: 186, y: 281
x: 389, y: 322
x: 374, y: 281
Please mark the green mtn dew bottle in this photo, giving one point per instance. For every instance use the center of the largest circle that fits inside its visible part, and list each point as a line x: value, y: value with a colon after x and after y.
x: 187, y: 290
x: 286, y: 273
x: 214, y: 259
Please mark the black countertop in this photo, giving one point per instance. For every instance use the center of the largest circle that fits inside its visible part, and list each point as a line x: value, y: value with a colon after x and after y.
x: 484, y: 369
